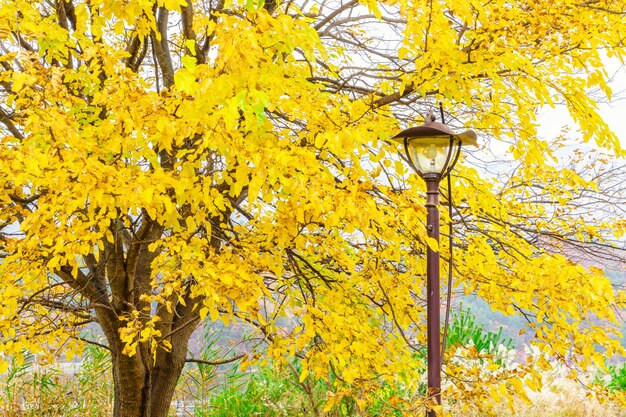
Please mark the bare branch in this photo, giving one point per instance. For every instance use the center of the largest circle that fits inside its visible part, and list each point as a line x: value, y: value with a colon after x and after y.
x: 215, y: 363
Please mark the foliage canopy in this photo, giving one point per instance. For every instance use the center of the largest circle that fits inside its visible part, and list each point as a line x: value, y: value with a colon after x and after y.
x: 168, y: 162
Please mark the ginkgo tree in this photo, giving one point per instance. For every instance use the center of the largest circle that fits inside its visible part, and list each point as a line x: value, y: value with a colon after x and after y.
x: 165, y: 163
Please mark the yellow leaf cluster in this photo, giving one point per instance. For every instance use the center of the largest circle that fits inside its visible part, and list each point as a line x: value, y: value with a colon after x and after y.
x: 235, y: 167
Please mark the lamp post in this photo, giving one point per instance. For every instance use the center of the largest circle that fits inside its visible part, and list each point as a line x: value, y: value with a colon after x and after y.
x: 432, y: 150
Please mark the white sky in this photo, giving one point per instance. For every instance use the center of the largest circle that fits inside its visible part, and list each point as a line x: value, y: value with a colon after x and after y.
x: 614, y: 113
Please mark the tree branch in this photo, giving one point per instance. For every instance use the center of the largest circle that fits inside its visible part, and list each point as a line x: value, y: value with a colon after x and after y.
x: 6, y: 120
x: 161, y: 47
x: 215, y: 363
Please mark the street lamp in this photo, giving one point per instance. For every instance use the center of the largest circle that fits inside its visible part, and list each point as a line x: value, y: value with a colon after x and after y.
x: 432, y: 150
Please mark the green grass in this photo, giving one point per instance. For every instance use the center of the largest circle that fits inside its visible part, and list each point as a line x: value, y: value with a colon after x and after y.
x: 618, y: 378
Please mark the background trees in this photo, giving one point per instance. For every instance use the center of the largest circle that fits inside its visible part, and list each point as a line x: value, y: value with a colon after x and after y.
x: 165, y: 163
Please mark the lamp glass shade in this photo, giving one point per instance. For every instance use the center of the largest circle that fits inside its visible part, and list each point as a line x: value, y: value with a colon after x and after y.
x: 433, y: 148
x: 430, y: 154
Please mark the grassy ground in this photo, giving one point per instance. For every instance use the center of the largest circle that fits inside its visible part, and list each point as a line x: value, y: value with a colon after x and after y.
x: 30, y: 391
x: 33, y: 390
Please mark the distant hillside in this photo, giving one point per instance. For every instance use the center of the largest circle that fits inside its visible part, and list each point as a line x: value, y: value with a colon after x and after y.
x: 511, y: 325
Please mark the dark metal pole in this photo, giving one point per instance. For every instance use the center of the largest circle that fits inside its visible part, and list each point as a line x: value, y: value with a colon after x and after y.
x: 432, y: 289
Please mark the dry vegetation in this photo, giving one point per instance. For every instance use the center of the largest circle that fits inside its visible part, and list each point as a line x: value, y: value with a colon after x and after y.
x: 562, y: 398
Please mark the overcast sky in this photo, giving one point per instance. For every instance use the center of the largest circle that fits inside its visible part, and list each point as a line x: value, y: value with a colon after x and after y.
x: 614, y: 113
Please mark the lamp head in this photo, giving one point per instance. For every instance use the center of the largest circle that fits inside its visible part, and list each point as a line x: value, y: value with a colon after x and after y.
x: 433, y: 148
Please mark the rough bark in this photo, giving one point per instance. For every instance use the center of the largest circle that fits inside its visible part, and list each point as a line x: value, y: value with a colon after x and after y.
x: 144, y: 384
x: 143, y: 391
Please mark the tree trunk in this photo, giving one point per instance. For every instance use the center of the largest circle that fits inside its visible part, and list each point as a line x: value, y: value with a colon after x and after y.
x: 143, y: 387
x: 144, y: 384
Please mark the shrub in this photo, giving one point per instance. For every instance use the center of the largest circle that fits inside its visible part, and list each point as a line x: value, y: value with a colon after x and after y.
x: 618, y: 378
x: 464, y: 331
